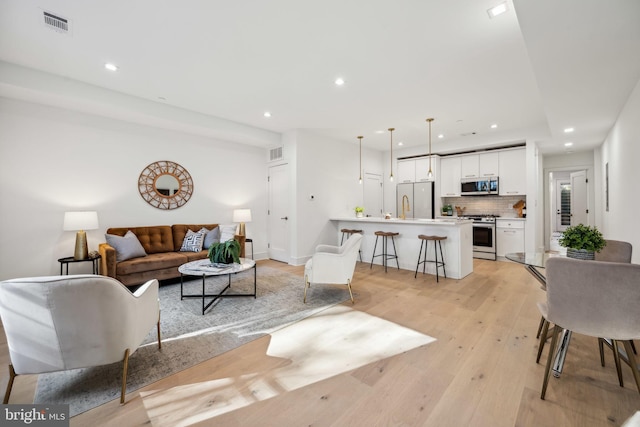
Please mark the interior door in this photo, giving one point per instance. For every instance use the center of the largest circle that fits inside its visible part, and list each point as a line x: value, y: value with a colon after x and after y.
x: 563, y: 205
x: 372, y: 188
x: 579, y: 206
x: 278, y: 214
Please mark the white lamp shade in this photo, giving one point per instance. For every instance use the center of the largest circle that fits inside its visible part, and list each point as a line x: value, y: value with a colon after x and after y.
x: 242, y: 215
x: 85, y: 220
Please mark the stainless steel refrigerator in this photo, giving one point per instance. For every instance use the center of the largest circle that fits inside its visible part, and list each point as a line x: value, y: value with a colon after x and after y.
x: 417, y: 197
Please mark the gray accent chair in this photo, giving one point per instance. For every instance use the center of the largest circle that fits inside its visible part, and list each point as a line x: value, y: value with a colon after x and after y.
x: 576, y: 301
x: 58, y: 323
x: 614, y: 251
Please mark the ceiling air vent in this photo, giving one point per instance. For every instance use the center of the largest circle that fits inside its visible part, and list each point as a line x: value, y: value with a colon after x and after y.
x: 275, y: 154
x: 56, y: 23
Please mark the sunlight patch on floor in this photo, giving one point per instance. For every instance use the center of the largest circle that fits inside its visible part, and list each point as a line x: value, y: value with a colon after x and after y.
x: 334, y: 341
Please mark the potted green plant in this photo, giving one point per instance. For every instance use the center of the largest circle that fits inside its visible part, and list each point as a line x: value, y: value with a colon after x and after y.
x: 359, y: 211
x: 225, y: 252
x: 582, y: 241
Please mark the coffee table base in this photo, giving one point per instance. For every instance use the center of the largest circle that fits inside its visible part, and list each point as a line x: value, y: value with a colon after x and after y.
x: 219, y: 295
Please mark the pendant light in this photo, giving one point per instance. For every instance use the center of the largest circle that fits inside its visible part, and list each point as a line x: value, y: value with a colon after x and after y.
x: 360, y: 138
x: 430, y: 173
x: 391, y: 158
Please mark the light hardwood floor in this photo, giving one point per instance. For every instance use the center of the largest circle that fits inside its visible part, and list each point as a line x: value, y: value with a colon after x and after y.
x: 481, y: 371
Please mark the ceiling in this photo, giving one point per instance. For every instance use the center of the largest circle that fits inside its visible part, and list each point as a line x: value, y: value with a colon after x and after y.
x: 539, y: 68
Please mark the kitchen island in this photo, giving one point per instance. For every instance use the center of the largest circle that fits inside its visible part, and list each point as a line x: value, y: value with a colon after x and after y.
x: 457, y: 248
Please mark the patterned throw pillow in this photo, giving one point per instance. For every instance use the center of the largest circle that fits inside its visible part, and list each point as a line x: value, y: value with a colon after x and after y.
x: 127, y: 246
x: 210, y: 237
x: 192, y: 241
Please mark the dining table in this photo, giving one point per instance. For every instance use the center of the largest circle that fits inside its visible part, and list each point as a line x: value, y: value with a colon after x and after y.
x: 535, y: 263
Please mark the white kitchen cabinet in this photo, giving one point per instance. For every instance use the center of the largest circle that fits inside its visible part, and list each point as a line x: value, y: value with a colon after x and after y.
x: 422, y: 169
x: 469, y: 166
x: 489, y: 164
x: 450, y: 176
x: 406, y: 171
x: 513, y: 177
x: 509, y: 236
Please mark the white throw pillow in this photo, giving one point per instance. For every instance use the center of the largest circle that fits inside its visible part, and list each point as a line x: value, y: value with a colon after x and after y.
x: 210, y: 237
x: 127, y: 246
x: 192, y: 241
x: 227, y: 232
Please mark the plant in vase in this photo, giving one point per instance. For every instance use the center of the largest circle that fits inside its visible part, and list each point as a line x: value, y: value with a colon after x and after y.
x: 582, y: 241
x: 359, y: 211
x: 225, y: 252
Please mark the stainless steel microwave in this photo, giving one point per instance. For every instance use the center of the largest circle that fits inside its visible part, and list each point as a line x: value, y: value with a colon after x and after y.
x: 479, y: 186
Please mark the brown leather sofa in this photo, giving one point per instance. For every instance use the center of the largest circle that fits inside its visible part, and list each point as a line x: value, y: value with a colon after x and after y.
x: 162, y: 244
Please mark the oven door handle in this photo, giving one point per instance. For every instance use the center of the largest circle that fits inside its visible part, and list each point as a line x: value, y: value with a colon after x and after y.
x: 480, y: 225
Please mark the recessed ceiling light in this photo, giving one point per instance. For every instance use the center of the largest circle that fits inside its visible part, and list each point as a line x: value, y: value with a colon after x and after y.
x: 568, y: 130
x: 568, y: 144
x: 339, y: 81
x: 494, y: 126
x: 497, y: 10
x: 441, y: 136
x: 111, y: 67
x: 379, y: 131
x: 400, y: 143
x: 267, y: 114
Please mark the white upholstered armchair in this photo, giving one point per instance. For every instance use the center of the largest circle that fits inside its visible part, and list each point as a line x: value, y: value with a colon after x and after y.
x: 59, y: 323
x: 333, y: 264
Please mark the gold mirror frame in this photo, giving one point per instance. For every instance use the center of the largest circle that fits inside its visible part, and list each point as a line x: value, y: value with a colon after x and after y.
x: 149, y: 191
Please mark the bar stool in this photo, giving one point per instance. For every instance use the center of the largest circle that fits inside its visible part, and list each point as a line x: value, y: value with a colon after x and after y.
x: 348, y: 232
x: 385, y: 254
x: 425, y: 243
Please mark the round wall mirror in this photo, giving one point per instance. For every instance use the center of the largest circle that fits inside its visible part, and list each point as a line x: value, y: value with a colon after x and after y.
x: 165, y: 185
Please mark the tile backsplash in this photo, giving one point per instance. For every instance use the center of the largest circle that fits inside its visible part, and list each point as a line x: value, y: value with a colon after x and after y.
x: 496, y: 205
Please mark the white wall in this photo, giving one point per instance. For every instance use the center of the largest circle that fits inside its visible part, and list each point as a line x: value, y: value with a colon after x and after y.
x: 621, y: 150
x: 54, y: 160
x: 328, y: 169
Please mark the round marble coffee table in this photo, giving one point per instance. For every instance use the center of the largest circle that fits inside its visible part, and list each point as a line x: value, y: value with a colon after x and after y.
x: 204, y: 268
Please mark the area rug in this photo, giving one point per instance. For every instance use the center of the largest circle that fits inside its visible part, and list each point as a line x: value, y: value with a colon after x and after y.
x: 188, y: 337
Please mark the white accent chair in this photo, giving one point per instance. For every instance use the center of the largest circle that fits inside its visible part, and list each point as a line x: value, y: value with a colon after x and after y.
x: 58, y: 323
x: 594, y: 298
x: 333, y: 264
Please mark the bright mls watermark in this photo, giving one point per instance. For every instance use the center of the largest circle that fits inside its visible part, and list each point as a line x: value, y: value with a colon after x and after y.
x: 35, y: 415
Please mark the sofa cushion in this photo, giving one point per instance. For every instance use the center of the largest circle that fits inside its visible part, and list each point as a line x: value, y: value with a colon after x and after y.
x: 154, y: 239
x: 127, y: 246
x: 227, y: 232
x: 151, y: 262
x: 180, y: 230
x: 210, y: 237
x: 192, y: 241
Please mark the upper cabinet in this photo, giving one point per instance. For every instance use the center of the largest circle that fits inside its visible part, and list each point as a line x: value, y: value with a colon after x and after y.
x: 513, y: 177
x: 469, y: 166
x: 489, y: 164
x: 416, y: 170
x: 479, y: 165
x: 422, y: 169
x: 450, y: 168
x: 406, y: 171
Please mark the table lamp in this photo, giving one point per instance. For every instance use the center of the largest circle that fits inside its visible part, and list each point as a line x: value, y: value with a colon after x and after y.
x: 80, y: 221
x: 241, y: 216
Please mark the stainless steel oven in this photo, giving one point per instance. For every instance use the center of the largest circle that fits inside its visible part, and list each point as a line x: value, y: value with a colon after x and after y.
x: 484, y: 236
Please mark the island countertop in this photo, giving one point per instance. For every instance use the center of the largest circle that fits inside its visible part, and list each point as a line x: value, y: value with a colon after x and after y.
x: 457, y: 248
x: 417, y: 221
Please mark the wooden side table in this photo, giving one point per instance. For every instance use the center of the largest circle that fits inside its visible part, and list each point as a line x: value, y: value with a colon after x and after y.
x: 68, y: 260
